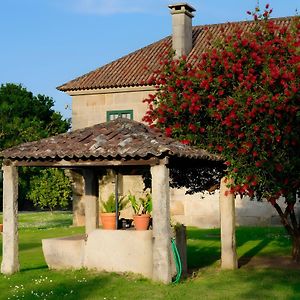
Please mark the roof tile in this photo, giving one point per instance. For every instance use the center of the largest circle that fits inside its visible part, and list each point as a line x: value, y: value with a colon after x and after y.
x: 135, y: 69
x: 121, y: 138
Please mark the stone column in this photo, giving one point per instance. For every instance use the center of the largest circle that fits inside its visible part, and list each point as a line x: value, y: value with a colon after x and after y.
x: 77, y: 183
x: 161, y: 224
x: 227, y: 216
x: 91, y: 191
x: 10, y: 260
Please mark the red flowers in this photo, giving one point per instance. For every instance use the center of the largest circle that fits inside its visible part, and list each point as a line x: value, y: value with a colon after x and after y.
x: 239, y: 100
x: 219, y: 148
x: 168, y: 131
x: 271, y: 128
x: 192, y: 128
x: 259, y: 163
x: 185, y: 142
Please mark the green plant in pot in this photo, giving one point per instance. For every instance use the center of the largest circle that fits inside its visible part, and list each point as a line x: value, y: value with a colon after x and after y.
x: 142, y: 208
x: 108, y: 211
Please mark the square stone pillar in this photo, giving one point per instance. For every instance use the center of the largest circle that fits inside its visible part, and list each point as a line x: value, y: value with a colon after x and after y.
x: 10, y: 259
x: 161, y: 224
x: 91, y: 192
x: 227, y: 216
x: 77, y: 183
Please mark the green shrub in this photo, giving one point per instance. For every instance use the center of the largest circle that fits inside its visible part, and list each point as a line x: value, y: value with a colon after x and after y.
x: 51, y: 189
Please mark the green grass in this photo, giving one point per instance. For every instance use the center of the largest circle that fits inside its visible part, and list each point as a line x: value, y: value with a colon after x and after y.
x: 43, y: 219
x: 207, y: 281
x: 204, y: 244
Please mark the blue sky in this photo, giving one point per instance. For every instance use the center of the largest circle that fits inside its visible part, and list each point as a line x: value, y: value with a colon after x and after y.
x: 45, y: 43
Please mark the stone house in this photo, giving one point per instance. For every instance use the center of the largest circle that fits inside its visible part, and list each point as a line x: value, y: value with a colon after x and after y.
x: 118, y: 89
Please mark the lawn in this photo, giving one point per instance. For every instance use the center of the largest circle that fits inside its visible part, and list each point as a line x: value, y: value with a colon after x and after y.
x: 206, y: 280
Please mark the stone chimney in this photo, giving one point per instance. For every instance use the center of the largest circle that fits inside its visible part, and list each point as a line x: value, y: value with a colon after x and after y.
x: 182, y: 38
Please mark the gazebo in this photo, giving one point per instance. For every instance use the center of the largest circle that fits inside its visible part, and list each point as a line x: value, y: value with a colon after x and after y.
x: 120, y: 145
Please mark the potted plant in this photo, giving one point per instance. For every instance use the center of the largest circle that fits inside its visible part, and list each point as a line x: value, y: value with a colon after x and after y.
x: 1, y: 227
x: 142, y: 208
x: 108, y: 214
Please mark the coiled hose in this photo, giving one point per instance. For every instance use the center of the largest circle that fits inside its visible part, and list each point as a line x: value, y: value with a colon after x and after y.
x: 177, y: 261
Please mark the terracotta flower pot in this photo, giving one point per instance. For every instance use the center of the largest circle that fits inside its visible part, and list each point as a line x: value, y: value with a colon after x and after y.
x: 141, y: 222
x: 1, y: 227
x: 108, y: 220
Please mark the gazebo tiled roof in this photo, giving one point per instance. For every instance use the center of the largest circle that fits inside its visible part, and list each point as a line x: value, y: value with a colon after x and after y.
x: 121, y: 139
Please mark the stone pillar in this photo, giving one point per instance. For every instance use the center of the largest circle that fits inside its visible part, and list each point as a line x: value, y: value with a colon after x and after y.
x: 10, y: 260
x: 227, y: 221
x: 77, y: 183
x: 161, y: 224
x: 91, y: 191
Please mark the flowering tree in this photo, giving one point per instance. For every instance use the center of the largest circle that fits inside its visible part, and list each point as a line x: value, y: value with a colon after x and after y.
x: 241, y: 100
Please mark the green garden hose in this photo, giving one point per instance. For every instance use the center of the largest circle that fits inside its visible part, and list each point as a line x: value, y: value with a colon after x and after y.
x: 177, y: 261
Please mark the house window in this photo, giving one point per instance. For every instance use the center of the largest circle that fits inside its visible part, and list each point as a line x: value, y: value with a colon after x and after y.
x: 114, y: 114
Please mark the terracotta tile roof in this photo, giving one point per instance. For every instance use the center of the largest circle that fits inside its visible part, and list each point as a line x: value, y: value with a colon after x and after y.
x: 113, y: 140
x: 130, y: 71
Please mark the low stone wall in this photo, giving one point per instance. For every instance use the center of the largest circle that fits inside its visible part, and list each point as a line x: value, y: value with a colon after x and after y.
x: 120, y: 251
x: 65, y: 252
x: 104, y: 250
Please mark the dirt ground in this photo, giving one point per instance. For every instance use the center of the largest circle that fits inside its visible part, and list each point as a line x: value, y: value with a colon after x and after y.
x: 269, y: 262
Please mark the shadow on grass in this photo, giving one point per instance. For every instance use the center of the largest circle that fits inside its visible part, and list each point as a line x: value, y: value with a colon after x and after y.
x: 26, y: 269
x: 29, y: 245
x: 203, y: 248
x: 203, y: 234
x: 246, y: 257
x: 24, y: 246
x: 202, y: 257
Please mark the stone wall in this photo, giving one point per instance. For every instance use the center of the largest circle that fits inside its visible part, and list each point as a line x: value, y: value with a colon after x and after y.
x: 90, y: 108
x: 104, y: 250
x: 202, y: 210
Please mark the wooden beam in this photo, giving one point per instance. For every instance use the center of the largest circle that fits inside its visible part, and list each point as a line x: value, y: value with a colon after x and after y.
x: 89, y: 163
x: 184, y: 162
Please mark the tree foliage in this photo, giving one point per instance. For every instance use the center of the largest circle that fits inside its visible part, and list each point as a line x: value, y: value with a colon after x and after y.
x: 241, y: 100
x: 24, y: 118
x: 50, y: 189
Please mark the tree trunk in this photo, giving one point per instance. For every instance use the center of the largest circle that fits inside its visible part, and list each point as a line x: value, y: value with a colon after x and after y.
x: 289, y: 221
x: 296, y: 248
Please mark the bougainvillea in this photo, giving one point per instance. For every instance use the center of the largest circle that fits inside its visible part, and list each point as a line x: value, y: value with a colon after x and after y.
x: 241, y: 100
